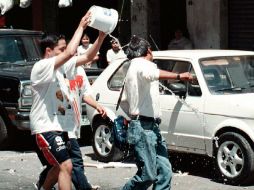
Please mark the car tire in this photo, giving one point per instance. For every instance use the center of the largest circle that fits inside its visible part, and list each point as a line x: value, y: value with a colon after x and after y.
x: 234, y: 158
x: 3, y: 133
x: 103, y: 143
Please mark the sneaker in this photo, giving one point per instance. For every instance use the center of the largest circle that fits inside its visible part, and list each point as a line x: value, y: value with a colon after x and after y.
x: 38, y: 186
x: 95, y: 187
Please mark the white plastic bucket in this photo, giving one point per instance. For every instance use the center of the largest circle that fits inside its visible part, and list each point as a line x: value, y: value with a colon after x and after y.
x: 103, y: 19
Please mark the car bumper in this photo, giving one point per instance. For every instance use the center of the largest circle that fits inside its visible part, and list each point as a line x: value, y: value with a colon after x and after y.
x: 20, y: 119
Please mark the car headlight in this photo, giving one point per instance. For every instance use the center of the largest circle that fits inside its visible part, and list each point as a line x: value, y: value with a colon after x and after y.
x: 27, y: 91
x: 25, y: 95
x: 26, y: 101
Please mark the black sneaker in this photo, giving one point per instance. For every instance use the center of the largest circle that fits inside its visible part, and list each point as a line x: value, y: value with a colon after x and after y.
x: 38, y: 186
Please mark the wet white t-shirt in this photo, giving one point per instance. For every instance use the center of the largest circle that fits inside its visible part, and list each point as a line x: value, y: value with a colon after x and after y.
x: 141, y: 89
x: 79, y: 87
x: 45, y: 88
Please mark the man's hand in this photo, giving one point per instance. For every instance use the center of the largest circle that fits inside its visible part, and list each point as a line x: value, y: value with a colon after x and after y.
x: 186, y: 76
x: 101, y: 111
x: 102, y: 34
x: 85, y: 20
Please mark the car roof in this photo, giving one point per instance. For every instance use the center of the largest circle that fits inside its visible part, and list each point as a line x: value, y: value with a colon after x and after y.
x: 4, y: 31
x: 199, y: 53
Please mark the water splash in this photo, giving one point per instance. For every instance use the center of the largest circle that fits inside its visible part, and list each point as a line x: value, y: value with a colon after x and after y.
x: 115, y: 38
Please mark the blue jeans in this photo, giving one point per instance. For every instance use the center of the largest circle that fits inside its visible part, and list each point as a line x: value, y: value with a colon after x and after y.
x: 79, y: 179
x: 151, y: 157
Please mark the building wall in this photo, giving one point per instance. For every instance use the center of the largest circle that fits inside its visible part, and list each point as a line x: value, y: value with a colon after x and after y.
x: 50, y: 13
x: 206, y: 20
x: 139, y: 12
x: 207, y: 23
x: 145, y: 20
x: 154, y: 23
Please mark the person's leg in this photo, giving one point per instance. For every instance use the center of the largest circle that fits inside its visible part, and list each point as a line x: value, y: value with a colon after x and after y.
x: 78, y: 174
x: 44, y: 162
x: 51, y: 178
x: 164, y: 176
x: 43, y: 176
x: 54, y: 149
x: 145, y: 155
x: 164, y: 169
x: 64, y: 177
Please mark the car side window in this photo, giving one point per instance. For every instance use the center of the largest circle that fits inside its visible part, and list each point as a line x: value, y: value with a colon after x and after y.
x: 193, y: 88
x: 9, y: 51
x: 116, y: 80
x: 29, y: 45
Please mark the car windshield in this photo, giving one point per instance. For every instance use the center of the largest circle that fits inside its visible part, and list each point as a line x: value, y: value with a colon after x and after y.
x: 19, y: 50
x: 228, y: 75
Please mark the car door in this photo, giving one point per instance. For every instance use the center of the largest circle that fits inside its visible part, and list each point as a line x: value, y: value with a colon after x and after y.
x: 182, y: 117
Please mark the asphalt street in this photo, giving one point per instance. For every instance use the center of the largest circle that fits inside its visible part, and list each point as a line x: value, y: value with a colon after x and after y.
x: 20, y: 170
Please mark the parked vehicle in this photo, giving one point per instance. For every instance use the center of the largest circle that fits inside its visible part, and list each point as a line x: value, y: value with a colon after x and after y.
x: 19, y: 50
x: 211, y: 115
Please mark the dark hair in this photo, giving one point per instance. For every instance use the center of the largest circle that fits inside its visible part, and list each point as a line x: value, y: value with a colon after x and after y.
x: 50, y: 41
x: 86, y: 35
x: 113, y: 41
x: 61, y: 37
x: 137, y: 47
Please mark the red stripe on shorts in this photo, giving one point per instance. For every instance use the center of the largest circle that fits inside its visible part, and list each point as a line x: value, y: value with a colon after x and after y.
x: 44, y: 147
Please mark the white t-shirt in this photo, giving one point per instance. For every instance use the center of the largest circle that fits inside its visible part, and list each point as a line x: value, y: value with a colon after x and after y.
x: 182, y: 43
x: 81, y: 49
x: 112, y: 55
x: 141, y: 89
x: 80, y: 87
x: 45, y: 85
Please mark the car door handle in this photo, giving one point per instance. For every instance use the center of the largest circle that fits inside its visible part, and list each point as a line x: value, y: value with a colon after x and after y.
x: 97, y: 96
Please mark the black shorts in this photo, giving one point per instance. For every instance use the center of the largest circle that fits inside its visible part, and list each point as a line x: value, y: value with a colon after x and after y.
x: 53, y: 145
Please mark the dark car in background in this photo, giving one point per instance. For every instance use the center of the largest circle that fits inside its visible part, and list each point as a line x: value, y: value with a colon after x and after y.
x: 19, y: 50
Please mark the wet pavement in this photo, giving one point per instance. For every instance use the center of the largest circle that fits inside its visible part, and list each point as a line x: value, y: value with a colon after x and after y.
x: 20, y: 170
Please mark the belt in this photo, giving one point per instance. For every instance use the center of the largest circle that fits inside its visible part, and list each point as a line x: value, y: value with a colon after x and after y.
x: 145, y: 118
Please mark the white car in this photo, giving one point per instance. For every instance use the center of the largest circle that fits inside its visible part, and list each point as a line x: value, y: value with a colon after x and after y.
x: 213, y: 115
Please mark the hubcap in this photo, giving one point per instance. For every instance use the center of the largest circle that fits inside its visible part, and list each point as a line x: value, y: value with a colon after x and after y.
x: 230, y: 159
x: 102, y: 140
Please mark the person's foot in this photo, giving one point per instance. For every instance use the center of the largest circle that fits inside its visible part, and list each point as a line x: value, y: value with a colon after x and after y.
x: 95, y: 187
x: 38, y: 186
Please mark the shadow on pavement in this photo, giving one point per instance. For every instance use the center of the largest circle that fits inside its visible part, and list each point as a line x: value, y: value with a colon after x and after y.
x: 193, y: 164
x: 197, y: 165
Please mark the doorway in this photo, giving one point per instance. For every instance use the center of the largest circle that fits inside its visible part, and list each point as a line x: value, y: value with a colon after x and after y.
x: 241, y: 24
x: 172, y: 17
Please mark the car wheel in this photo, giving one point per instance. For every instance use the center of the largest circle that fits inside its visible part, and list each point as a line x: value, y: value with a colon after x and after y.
x: 103, y: 144
x: 3, y: 132
x: 234, y: 158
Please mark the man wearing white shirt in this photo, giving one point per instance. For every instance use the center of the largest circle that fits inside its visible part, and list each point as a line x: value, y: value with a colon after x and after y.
x: 141, y: 95
x: 44, y: 119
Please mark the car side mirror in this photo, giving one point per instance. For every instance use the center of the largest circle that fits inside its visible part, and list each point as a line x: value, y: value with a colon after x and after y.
x: 97, y: 96
x: 178, y: 89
